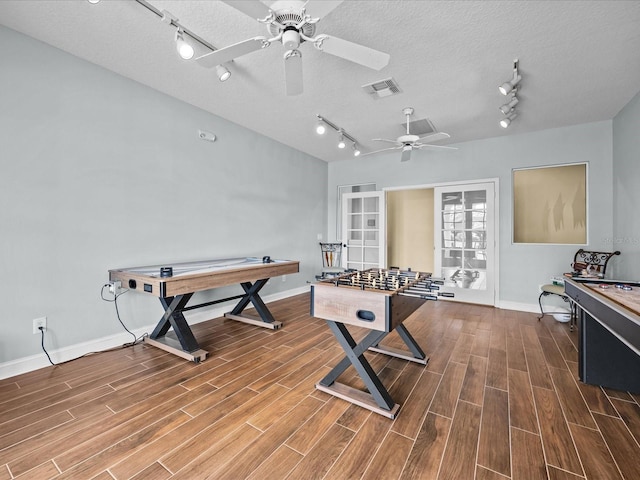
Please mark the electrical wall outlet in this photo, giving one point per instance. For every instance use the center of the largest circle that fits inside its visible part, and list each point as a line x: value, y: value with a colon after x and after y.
x: 284, y: 278
x: 115, y: 286
x: 39, y: 322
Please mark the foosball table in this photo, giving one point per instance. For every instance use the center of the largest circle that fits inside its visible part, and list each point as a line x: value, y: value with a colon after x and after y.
x: 379, y: 300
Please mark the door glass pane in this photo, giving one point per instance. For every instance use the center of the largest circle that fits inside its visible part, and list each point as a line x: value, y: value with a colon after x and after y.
x: 464, y: 238
x: 355, y: 205
x: 371, y: 255
x: 355, y: 236
x: 355, y: 221
x: 371, y: 238
x: 354, y: 255
x: 370, y: 204
x: 370, y: 221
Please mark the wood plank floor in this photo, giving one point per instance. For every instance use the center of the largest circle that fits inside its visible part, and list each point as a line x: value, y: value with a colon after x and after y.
x: 499, y: 399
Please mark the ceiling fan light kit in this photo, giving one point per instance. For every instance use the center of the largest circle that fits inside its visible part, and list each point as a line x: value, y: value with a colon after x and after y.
x: 292, y: 23
x: 510, y: 88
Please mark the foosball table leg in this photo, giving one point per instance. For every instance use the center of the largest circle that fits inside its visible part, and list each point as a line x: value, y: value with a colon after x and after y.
x: 378, y: 398
x: 415, y: 355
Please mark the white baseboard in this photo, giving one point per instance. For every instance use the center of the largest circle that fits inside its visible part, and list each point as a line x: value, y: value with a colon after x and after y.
x: 35, y: 362
x: 520, y: 307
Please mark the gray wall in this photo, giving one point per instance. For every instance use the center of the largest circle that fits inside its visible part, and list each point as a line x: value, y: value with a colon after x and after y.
x: 522, y: 268
x: 100, y: 172
x: 626, y: 189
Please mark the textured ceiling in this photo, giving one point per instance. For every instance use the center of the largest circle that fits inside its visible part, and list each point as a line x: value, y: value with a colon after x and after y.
x: 580, y: 63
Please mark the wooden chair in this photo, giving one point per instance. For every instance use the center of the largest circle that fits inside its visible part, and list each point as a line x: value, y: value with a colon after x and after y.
x: 585, y: 263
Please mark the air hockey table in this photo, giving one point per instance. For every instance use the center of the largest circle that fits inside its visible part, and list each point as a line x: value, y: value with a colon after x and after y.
x: 175, y: 284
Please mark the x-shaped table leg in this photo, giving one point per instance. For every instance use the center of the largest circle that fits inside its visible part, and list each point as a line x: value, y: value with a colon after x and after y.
x: 251, y: 296
x: 378, y: 398
x: 173, y: 317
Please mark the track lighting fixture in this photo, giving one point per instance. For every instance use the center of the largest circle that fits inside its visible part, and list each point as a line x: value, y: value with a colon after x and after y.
x: 509, y: 88
x: 188, y: 44
x: 507, y: 107
x: 185, y: 50
x: 506, y: 87
x: 505, y: 122
x: 321, y: 128
x: 223, y: 73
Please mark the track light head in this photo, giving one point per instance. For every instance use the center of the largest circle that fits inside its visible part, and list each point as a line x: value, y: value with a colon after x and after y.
x: 356, y: 150
x: 506, y: 87
x: 505, y: 122
x: 507, y: 107
x: 321, y: 127
x: 341, y: 143
x: 222, y: 73
x: 185, y: 50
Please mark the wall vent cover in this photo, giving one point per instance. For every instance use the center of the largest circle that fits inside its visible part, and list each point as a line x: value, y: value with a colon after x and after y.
x: 382, y: 88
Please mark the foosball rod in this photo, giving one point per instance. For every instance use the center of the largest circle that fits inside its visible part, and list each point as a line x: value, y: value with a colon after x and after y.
x: 430, y: 296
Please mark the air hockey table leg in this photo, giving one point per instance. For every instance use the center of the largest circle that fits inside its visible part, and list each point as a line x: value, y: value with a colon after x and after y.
x: 251, y: 295
x: 184, y: 344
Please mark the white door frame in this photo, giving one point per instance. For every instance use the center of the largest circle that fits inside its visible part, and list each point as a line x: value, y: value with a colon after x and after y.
x: 380, y: 228
x: 496, y: 182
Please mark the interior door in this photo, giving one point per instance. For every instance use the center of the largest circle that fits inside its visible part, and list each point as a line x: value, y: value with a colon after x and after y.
x: 363, y: 230
x: 465, y: 241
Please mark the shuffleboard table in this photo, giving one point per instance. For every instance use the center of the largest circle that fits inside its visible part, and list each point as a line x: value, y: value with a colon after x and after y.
x: 175, y: 284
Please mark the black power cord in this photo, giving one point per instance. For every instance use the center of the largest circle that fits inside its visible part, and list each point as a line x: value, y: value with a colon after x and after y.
x: 42, y: 343
x: 136, y: 340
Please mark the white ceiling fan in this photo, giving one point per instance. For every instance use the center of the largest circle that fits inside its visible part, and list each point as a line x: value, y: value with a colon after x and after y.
x: 408, y: 142
x: 292, y: 22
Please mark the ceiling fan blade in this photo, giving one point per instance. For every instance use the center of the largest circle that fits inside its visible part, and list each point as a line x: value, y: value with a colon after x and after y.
x: 432, y: 137
x: 319, y: 9
x: 406, y: 154
x: 293, y: 72
x: 253, y: 8
x: 385, y: 140
x: 378, y: 151
x: 428, y: 145
x: 226, y: 54
x: 353, y: 52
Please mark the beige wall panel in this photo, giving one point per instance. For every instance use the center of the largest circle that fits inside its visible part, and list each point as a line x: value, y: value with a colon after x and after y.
x: 410, y: 229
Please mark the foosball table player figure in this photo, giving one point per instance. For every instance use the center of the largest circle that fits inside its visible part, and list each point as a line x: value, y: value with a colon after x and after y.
x: 379, y: 300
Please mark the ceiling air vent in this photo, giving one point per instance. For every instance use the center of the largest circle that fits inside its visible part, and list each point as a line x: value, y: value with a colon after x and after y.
x: 420, y: 127
x: 382, y: 88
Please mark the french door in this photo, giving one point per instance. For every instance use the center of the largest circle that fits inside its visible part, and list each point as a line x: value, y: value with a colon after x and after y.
x: 363, y: 230
x: 465, y: 241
